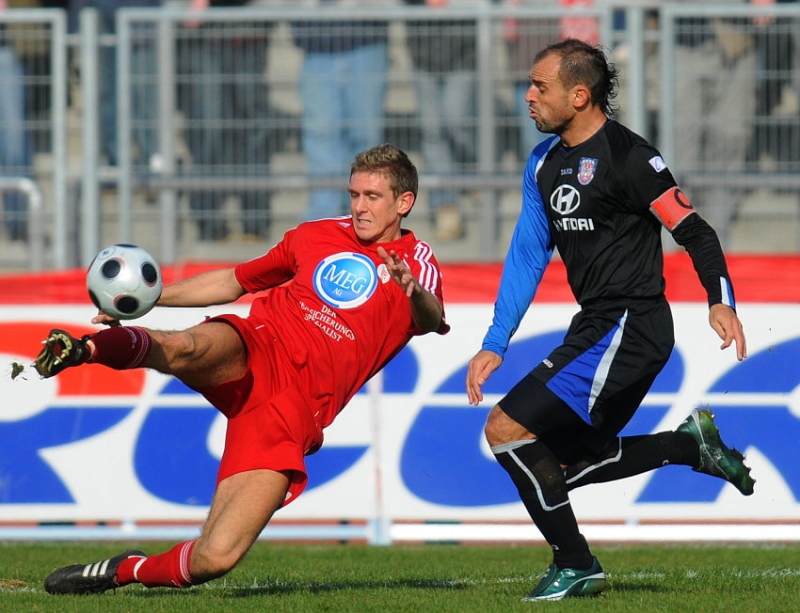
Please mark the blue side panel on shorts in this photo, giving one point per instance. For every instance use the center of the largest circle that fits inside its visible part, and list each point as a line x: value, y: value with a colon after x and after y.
x: 581, y: 381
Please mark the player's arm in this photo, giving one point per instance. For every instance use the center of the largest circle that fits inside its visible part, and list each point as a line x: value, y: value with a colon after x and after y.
x: 229, y: 284
x: 207, y: 288
x: 528, y: 256
x: 676, y: 213
x: 479, y: 369
x: 426, y: 310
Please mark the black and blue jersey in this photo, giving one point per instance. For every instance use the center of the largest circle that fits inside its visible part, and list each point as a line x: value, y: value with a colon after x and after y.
x: 602, y: 205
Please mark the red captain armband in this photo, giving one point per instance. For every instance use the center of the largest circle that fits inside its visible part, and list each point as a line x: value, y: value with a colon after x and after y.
x: 671, y: 208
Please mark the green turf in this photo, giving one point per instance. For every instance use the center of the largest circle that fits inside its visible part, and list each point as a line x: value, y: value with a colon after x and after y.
x: 441, y: 578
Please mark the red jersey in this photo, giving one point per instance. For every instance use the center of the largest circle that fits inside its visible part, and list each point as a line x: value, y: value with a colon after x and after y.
x: 332, y: 304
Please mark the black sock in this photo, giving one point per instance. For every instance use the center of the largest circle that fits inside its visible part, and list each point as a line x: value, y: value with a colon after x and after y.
x: 635, y: 455
x: 543, y: 490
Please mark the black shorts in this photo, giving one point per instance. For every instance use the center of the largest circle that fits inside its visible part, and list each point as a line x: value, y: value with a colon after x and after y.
x: 581, y: 396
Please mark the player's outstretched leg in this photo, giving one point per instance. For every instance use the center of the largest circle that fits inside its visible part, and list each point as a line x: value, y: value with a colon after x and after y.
x: 716, y: 458
x: 93, y: 578
x: 60, y: 351
x: 560, y: 583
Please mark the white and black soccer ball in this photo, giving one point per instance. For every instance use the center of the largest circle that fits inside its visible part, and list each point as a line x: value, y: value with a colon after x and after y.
x: 124, y: 281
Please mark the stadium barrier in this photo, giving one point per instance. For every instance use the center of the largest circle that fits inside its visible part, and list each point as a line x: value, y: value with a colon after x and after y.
x: 100, y: 454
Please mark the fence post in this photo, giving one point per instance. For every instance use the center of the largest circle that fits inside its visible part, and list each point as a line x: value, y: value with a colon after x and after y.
x: 90, y: 197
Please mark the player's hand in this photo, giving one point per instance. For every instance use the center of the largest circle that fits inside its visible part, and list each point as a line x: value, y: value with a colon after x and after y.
x: 479, y: 370
x: 399, y: 271
x: 103, y: 319
x: 726, y: 324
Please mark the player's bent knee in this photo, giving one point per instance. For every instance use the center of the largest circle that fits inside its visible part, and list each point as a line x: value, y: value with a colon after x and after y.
x: 208, y: 563
x: 493, y: 430
x: 176, y: 345
x: 501, y: 429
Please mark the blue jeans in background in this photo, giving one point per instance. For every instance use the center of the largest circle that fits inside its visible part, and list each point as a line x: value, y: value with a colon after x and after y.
x: 143, y: 102
x: 226, y: 105
x: 15, y: 149
x: 446, y: 109
x: 342, y: 95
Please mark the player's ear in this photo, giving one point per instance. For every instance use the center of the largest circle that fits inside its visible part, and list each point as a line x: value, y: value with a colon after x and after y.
x: 405, y: 202
x: 581, y: 96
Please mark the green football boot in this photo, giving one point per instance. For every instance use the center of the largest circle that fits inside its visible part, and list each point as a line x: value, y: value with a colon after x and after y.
x: 560, y: 583
x: 716, y: 458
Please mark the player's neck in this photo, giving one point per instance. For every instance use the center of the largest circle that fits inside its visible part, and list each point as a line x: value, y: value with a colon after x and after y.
x: 582, y: 128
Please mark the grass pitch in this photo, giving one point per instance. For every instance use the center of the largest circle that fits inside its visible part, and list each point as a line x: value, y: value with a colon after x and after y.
x: 442, y: 578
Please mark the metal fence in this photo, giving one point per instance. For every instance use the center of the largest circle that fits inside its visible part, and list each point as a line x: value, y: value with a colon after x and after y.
x: 207, y: 139
x: 33, y: 104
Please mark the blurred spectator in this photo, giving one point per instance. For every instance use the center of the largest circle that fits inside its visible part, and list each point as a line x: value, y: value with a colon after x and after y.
x: 776, y: 142
x: 715, y: 102
x: 34, y: 49
x: 581, y: 27
x: 342, y: 86
x: 226, y: 102
x: 443, y: 54
x: 15, y: 150
x: 143, y: 91
x: 718, y: 83
x: 525, y: 38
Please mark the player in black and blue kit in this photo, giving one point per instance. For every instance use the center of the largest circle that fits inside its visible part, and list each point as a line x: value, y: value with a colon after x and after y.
x: 600, y: 194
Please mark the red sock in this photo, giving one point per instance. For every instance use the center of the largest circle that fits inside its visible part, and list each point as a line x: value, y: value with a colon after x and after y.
x: 121, y: 347
x: 170, y: 569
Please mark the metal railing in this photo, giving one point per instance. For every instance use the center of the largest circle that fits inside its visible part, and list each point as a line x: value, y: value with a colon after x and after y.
x: 37, y: 36
x: 88, y: 200
x: 482, y: 176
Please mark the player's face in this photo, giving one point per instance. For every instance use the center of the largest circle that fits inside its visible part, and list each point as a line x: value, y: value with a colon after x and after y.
x: 549, y: 103
x: 377, y: 213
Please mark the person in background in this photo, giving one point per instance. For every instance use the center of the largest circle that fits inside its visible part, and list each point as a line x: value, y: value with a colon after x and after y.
x: 524, y: 38
x: 15, y: 146
x: 226, y: 102
x: 600, y: 194
x: 281, y: 375
x: 343, y: 80
x: 443, y: 55
x: 527, y: 37
x: 775, y: 144
x: 715, y: 101
x: 143, y: 68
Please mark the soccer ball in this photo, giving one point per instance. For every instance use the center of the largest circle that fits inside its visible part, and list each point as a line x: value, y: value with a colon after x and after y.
x: 124, y: 281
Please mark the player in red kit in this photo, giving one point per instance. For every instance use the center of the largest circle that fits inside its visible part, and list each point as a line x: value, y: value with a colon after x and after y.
x: 345, y: 295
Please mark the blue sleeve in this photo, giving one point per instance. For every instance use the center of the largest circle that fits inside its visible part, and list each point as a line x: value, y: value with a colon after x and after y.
x: 528, y: 255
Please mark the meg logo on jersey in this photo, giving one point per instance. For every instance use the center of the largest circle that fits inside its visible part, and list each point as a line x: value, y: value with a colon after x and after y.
x: 345, y: 280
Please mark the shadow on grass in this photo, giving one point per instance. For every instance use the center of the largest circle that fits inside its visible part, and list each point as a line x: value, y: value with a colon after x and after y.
x: 289, y: 587
x: 639, y: 587
x: 271, y: 588
x: 274, y: 588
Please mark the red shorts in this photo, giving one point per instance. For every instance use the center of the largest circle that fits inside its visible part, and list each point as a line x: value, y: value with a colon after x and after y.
x: 270, y: 421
